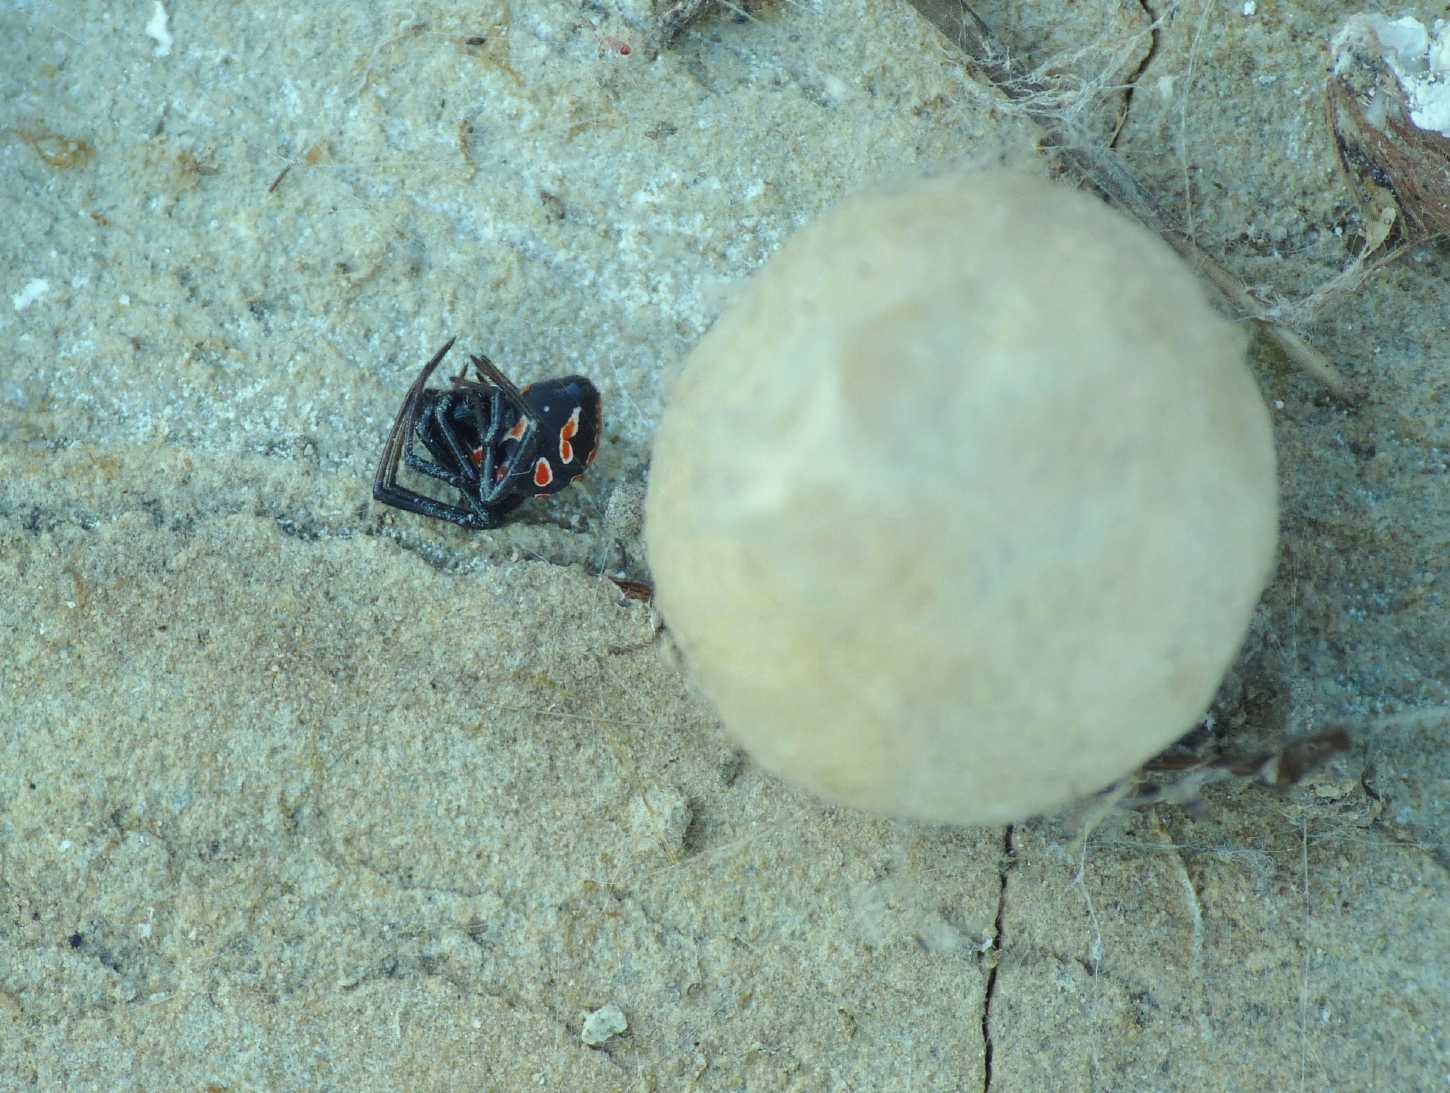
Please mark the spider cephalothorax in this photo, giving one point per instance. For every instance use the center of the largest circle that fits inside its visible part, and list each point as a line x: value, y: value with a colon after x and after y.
x: 494, y: 444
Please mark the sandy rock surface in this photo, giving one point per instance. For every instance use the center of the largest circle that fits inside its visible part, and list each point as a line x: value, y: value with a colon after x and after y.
x: 296, y: 791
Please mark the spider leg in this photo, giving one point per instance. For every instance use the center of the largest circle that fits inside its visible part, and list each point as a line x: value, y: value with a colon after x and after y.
x: 462, y: 483
x: 520, y: 463
x: 456, y: 448
x: 489, y: 371
x: 423, y: 431
x: 498, y: 476
x: 499, y: 390
x: 448, y: 454
x: 469, y: 519
x: 400, y: 436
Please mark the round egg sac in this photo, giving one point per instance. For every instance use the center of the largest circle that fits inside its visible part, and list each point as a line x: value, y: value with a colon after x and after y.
x: 962, y: 509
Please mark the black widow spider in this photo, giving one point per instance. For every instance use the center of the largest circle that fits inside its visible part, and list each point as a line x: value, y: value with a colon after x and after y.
x: 496, y: 445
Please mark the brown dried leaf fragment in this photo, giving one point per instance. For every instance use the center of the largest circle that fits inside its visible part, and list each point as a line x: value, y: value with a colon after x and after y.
x: 1398, y: 170
x: 1179, y: 779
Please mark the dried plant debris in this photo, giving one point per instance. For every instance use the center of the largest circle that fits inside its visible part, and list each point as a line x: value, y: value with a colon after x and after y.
x: 680, y: 15
x: 1179, y: 779
x: 1099, y: 168
x: 1388, y: 101
x: 58, y: 151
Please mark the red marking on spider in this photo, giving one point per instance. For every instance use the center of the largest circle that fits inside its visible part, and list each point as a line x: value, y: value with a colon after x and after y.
x: 517, y: 432
x: 566, y: 434
x: 543, y: 473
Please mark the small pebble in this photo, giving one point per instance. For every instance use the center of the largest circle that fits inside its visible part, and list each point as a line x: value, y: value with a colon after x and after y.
x: 602, y: 1024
